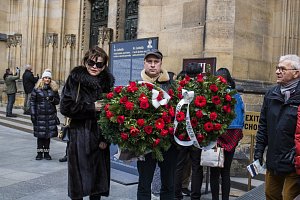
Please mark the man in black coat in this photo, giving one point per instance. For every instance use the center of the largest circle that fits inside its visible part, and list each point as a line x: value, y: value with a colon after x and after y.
x: 29, y: 82
x: 277, y: 124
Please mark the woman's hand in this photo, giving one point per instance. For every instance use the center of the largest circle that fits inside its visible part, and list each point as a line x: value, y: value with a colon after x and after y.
x: 102, y: 145
x: 98, y: 105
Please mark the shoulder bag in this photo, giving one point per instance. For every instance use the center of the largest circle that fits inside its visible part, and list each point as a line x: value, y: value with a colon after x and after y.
x: 64, y: 133
x: 213, y: 157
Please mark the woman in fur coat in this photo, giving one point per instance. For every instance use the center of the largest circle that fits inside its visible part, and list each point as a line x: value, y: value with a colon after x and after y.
x: 88, y: 152
x: 43, y: 101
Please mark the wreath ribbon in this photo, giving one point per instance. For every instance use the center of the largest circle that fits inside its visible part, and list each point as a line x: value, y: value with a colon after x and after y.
x: 188, y: 97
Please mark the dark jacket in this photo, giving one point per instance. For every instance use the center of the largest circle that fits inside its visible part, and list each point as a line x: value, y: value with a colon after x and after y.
x: 28, y: 81
x: 88, y: 165
x: 276, y: 130
x: 43, y: 103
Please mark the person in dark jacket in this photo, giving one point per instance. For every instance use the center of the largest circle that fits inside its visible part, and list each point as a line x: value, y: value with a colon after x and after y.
x: 276, y: 130
x: 29, y: 82
x: 11, y: 90
x: 188, y: 158
x: 229, y: 140
x: 153, y: 73
x: 43, y: 101
x: 88, y: 151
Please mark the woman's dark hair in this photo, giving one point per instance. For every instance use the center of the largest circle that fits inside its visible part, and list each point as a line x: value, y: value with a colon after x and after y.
x: 7, y: 72
x: 224, y: 72
x: 95, y: 52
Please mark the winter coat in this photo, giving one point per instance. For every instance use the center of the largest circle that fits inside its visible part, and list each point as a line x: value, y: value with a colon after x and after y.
x: 28, y: 81
x: 10, y: 82
x: 88, y: 165
x: 43, y: 103
x: 276, y: 130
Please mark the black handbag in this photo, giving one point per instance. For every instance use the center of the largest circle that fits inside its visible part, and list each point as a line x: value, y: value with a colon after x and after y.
x: 64, y: 133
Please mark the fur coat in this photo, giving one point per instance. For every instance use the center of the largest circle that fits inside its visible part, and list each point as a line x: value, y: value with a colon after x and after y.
x: 88, y: 165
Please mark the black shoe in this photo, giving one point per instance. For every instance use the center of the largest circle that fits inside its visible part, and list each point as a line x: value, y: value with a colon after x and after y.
x: 47, y: 156
x: 64, y: 159
x: 11, y: 115
x: 27, y: 113
x: 39, y: 156
x: 185, y: 192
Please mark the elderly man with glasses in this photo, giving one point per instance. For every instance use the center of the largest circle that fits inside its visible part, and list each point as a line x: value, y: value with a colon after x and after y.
x: 277, y: 124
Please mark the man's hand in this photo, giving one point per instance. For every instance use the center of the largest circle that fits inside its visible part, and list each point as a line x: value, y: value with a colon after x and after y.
x: 258, y: 156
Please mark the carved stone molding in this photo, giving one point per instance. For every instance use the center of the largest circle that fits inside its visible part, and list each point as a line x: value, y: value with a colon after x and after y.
x: 105, y: 35
x: 118, y: 19
x: 18, y: 38
x: 51, y: 39
x: 14, y: 40
x: 70, y: 40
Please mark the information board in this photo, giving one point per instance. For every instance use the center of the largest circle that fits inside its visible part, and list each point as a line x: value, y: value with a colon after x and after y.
x: 127, y: 58
x: 251, y: 123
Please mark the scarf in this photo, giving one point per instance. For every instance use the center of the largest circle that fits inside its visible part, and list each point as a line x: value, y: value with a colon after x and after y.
x: 288, y: 89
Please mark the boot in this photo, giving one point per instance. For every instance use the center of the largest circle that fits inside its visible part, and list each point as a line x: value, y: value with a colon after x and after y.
x: 64, y: 159
x: 46, y: 154
x: 39, y: 154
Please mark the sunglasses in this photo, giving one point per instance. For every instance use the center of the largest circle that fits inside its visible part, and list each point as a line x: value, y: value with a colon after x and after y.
x: 92, y: 63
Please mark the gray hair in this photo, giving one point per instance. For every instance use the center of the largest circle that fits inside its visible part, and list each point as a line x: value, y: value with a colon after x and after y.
x: 27, y: 66
x: 293, y: 59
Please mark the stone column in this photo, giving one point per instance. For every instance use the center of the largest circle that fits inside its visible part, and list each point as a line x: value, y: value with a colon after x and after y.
x: 51, y: 45
x: 69, y: 53
x: 104, y: 38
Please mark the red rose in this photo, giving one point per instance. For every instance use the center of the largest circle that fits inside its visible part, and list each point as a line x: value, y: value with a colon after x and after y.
x: 213, y: 88
x: 132, y: 87
x: 208, y: 127
x: 222, y: 79
x: 182, y: 83
x: 140, y: 122
x: 180, y: 116
x: 156, y: 142
x: 179, y: 89
x: 160, y: 96
x: 199, y: 114
x: 179, y: 95
x: 164, y: 132
x: 200, y: 78
x: 200, y: 101
x: 217, y: 126
x: 144, y: 105
x: 187, y: 78
x: 227, y: 108
x: 124, y: 136
x: 172, y: 111
x: 227, y: 97
x: 171, y: 130
x: 159, y: 124
x: 171, y: 92
x: 123, y: 100
x: 110, y: 95
x: 129, y: 105
x: 216, y: 100
x: 181, y: 137
x: 134, y: 131
x: 213, y: 116
x: 166, y: 117
x: 200, y: 138
x: 149, y: 86
x: 106, y: 107
x: 120, y: 119
x: 143, y: 98
x: 118, y: 89
x: 109, y: 114
x: 148, y: 129
x: 194, y: 122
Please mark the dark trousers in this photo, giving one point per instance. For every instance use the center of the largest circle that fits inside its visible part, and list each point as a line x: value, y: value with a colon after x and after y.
x: 43, y: 143
x: 27, y: 102
x: 11, y: 98
x: 167, y: 171
x: 92, y: 197
x: 197, y: 172
x: 215, y: 173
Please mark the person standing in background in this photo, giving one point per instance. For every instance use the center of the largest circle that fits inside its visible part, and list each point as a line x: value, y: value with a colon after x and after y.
x: 229, y: 140
x: 43, y: 101
x: 29, y: 82
x: 11, y: 89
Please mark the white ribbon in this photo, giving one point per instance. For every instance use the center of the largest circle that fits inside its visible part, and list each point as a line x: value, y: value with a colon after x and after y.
x: 188, y: 97
x: 155, y: 93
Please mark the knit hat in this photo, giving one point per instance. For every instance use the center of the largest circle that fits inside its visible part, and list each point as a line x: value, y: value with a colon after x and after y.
x: 47, y: 73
